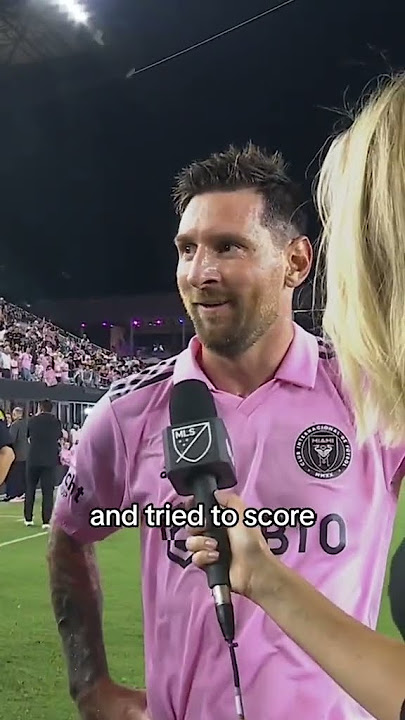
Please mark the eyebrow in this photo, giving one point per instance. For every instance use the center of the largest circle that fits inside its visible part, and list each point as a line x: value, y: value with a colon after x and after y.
x: 180, y: 238
x: 217, y: 237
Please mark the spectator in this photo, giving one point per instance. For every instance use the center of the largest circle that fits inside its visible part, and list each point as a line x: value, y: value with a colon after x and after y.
x: 15, y: 482
x: 5, y: 360
x: 14, y: 366
x: 65, y: 457
x: 6, y: 451
x: 26, y: 365
x: 50, y: 377
x: 74, y: 434
x: 44, y: 433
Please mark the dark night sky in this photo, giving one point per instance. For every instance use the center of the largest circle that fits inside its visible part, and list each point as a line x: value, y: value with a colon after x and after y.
x: 88, y: 157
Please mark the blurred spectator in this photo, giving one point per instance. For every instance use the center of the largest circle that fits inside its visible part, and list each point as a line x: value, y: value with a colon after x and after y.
x: 44, y: 433
x: 26, y: 364
x: 15, y: 482
x: 74, y: 434
x: 6, y: 449
x: 50, y: 377
x: 5, y: 361
x: 66, y: 455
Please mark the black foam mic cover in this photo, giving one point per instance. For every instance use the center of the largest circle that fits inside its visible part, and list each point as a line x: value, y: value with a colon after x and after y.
x: 199, y: 461
x: 197, y: 439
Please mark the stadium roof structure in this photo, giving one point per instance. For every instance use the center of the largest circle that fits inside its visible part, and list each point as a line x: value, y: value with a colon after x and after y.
x: 32, y: 31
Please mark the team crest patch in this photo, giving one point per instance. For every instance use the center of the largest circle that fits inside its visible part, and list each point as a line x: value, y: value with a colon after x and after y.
x: 323, y: 451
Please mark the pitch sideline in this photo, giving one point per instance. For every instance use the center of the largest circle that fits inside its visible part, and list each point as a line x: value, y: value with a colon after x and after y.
x: 27, y: 537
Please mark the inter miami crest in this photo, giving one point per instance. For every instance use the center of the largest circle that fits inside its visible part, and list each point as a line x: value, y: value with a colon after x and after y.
x: 323, y: 451
x: 192, y: 442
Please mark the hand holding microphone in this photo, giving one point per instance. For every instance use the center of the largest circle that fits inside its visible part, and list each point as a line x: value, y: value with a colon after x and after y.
x: 250, y: 555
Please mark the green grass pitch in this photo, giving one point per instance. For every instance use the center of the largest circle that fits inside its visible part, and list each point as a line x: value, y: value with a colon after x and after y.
x: 33, y: 676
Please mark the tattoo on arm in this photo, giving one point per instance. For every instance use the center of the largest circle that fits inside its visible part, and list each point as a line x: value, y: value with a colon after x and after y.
x: 77, y: 604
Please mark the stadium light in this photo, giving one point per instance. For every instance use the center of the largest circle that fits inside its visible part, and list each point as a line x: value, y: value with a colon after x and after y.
x: 74, y: 10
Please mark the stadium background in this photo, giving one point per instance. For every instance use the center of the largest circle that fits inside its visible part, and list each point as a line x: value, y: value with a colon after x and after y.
x: 33, y: 671
x: 91, y: 141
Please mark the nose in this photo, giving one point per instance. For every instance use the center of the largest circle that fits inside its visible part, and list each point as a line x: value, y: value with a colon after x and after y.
x: 204, y: 268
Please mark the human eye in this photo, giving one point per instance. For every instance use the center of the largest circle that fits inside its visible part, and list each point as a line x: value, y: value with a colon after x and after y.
x: 185, y: 248
x: 229, y: 246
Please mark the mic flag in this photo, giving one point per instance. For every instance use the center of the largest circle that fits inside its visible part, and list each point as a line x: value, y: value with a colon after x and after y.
x: 197, y: 440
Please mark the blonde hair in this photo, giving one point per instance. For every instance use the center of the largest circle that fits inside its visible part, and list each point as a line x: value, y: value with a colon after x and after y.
x: 361, y: 201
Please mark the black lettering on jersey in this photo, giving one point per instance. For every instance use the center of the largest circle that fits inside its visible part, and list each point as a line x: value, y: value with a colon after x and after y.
x: 279, y: 542
x: 70, y: 487
x: 176, y: 549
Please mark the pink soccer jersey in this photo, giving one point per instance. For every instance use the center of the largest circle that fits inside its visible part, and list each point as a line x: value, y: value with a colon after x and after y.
x: 294, y: 447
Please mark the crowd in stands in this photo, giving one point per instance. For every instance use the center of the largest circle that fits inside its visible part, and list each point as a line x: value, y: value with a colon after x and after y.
x: 33, y: 349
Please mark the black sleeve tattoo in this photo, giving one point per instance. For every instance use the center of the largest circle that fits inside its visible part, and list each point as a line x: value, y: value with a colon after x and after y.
x: 77, y: 604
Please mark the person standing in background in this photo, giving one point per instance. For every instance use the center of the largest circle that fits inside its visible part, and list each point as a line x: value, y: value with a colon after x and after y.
x: 44, y: 434
x: 5, y: 358
x: 65, y: 457
x: 6, y: 450
x: 26, y: 364
x: 16, y: 477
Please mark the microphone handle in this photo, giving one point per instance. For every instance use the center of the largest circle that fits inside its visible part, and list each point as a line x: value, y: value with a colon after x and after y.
x: 203, y: 488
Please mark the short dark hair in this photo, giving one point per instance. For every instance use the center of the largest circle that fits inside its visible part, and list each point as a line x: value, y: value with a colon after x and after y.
x: 249, y: 168
x: 46, y: 405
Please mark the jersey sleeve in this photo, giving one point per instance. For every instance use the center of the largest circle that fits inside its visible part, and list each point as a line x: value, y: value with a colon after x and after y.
x: 96, y: 478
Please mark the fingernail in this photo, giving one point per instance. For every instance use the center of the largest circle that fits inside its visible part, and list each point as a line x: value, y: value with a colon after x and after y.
x: 210, y: 543
x: 213, y: 555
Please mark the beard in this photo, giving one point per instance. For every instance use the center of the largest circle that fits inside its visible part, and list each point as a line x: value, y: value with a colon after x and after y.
x: 239, y: 328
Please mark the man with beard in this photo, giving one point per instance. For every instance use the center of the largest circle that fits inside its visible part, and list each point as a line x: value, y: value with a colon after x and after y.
x: 242, y: 251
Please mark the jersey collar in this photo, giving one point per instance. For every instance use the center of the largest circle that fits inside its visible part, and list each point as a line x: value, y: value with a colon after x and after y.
x: 298, y: 367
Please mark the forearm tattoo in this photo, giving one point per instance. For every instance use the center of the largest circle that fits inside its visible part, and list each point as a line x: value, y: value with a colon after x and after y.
x: 77, y: 603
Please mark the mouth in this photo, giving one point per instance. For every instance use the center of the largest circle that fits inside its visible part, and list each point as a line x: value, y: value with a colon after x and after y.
x: 212, y: 304
x: 212, y: 308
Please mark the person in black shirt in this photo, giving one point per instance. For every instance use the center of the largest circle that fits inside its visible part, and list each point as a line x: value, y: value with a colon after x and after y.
x: 16, y: 478
x: 7, y: 455
x: 44, y: 434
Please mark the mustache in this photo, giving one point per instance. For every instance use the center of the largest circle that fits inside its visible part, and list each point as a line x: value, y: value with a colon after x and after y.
x: 209, y: 298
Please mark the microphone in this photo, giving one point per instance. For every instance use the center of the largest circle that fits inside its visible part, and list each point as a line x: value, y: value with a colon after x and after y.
x: 198, y: 461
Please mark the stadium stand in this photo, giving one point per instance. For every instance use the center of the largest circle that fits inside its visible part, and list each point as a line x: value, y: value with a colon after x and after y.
x: 33, y: 349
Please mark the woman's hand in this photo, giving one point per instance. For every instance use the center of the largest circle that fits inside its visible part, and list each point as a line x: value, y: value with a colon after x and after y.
x: 251, y: 556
